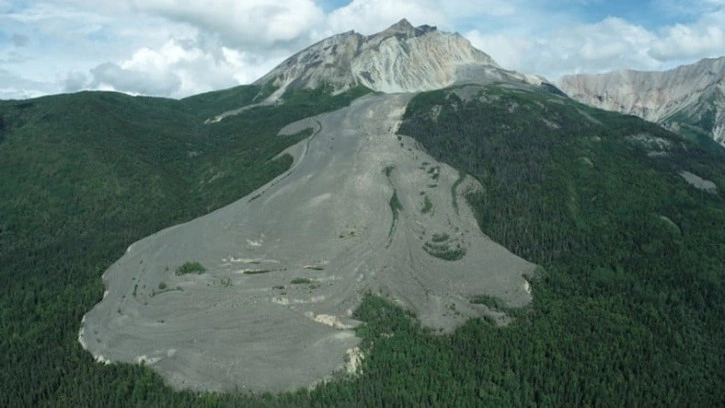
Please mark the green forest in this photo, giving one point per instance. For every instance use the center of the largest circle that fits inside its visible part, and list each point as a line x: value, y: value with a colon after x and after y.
x: 628, y: 305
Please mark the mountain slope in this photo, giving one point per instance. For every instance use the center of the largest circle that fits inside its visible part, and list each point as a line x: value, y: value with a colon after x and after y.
x: 629, y: 306
x: 402, y: 58
x: 408, y: 228
x: 84, y: 176
x: 633, y: 284
x: 689, y: 99
x: 287, y: 265
x: 626, y: 218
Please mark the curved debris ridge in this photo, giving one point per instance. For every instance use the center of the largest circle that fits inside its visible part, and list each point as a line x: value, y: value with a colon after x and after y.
x: 402, y: 58
x: 259, y: 295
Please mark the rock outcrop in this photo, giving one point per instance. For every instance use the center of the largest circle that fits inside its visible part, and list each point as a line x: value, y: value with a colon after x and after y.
x: 689, y: 99
x: 402, y: 58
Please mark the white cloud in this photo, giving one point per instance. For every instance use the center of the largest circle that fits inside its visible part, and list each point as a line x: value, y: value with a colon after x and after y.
x: 606, y: 45
x: 509, y: 51
x: 371, y: 16
x: 176, y: 69
x: 110, y: 76
x: 465, y: 8
x: 75, y: 81
x: 704, y: 38
x: 13, y: 86
x: 610, y: 44
x: 683, y: 42
x: 248, y: 23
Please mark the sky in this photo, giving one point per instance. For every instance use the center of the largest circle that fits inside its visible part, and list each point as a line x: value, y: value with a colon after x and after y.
x: 177, y: 48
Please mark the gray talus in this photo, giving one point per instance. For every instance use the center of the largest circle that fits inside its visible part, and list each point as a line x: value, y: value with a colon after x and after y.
x: 329, y: 223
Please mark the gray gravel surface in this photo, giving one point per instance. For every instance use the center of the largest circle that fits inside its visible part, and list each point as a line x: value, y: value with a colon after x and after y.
x: 243, y: 325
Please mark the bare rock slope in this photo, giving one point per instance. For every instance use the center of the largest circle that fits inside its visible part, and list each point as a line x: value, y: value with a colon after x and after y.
x: 690, y: 97
x: 402, y: 58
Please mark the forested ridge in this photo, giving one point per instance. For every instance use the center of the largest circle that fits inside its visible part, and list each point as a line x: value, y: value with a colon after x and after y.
x: 630, y: 308
x: 84, y: 176
x: 627, y: 310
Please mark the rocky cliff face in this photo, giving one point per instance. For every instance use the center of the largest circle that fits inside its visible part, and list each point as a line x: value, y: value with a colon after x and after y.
x: 689, y: 99
x: 402, y: 58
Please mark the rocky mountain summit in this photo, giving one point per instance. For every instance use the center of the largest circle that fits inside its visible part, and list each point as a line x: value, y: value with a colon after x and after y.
x: 401, y: 58
x: 689, y: 99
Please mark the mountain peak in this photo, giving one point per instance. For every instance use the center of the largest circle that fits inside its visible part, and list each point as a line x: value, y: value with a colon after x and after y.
x: 404, y: 29
x: 401, y: 26
x: 402, y: 58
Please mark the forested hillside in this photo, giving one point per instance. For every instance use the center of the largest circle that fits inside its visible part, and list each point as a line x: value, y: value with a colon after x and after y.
x: 84, y: 176
x: 628, y: 310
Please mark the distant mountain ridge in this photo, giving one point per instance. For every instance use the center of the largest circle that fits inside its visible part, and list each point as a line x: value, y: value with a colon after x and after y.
x: 401, y: 58
x: 689, y: 99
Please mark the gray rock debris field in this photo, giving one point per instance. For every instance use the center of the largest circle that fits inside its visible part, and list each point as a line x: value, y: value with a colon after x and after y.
x: 243, y: 325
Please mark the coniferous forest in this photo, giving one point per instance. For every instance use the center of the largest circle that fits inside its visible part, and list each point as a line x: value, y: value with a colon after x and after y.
x: 629, y: 302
